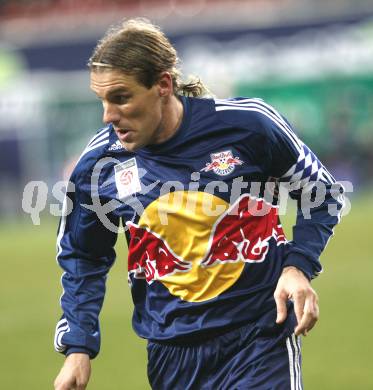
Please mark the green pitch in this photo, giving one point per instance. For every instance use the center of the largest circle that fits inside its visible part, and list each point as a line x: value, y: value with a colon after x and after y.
x: 338, y: 353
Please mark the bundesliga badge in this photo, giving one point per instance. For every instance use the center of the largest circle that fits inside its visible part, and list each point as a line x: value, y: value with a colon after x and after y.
x: 222, y: 163
x: 127, y: 178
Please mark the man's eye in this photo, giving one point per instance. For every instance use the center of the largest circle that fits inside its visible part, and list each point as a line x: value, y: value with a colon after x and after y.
x: 120, y: 99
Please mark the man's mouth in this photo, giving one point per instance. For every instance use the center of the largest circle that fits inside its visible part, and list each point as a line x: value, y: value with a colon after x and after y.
x: 123, y: 134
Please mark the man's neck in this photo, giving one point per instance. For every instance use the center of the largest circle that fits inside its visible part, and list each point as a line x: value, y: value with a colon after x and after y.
x: 173, y: 111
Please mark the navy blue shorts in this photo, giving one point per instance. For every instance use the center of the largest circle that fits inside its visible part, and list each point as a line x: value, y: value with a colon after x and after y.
x: 260, y: 356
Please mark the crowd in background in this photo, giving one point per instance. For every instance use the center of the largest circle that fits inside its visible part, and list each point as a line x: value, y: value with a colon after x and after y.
x: 316, y: 68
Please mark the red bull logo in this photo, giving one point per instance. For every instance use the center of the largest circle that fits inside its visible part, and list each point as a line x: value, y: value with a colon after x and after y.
x: 199, y: 256
x: 222, y: 163
x: 244, y: 237
x: 150, y: 256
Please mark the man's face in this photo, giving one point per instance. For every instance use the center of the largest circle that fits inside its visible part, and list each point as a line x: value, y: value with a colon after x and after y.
x: 135, y: 111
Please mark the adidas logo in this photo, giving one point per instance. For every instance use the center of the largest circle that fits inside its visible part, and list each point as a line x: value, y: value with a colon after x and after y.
x: 115, y: 146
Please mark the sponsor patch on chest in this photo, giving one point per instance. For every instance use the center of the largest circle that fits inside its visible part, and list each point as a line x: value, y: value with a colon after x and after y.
x: 127, y: 178
x: 222, y: 163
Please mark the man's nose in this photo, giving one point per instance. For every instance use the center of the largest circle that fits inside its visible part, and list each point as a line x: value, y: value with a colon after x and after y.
x: 111, y: 113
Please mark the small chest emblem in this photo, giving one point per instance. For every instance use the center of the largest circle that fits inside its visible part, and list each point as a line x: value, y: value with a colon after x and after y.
x: 222, y: 163
x: 127, y: 178
x: 116, y: 146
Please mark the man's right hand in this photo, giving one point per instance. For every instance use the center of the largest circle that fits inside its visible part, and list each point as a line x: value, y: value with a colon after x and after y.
x: 75, y: 373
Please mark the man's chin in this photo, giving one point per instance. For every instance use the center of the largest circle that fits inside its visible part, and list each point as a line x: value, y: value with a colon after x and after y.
x: 131, y: 146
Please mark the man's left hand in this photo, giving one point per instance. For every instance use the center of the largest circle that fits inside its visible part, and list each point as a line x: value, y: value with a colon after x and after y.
x: 294, y: 285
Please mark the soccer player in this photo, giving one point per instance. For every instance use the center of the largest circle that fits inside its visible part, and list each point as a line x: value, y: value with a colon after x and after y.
x: 219, y: 293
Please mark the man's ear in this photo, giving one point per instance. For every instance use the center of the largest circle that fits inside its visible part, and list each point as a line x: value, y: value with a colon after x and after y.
x: 165, y: 84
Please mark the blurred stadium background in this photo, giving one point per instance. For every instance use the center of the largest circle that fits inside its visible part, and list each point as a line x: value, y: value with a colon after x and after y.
x: 313, y: 59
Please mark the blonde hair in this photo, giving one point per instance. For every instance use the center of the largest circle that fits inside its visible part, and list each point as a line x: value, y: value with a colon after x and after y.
x: 139, y: 48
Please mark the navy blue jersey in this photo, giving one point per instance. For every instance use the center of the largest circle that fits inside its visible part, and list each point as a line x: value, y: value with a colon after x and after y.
x: 201, y: 218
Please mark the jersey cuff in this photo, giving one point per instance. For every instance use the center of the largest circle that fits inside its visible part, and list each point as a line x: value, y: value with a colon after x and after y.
x: 71, y: 350
x: 298, y: 260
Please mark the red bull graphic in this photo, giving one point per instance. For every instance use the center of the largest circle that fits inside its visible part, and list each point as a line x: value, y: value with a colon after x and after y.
x: 205, y: 258
x: 150, y: 256
x: 243, y: 235
x: 222, y: 163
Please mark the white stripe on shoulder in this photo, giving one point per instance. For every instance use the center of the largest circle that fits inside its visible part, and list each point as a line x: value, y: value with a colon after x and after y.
x: 97, y: 135
x: 98, y: 139
x: 90, y: 148
x: 279, y: 116
x: 61, y: 230
x: 254, y: 107
x: 255, y: 102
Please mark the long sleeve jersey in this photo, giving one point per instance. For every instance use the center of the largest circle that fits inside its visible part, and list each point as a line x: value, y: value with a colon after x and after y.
x: 201, y: 219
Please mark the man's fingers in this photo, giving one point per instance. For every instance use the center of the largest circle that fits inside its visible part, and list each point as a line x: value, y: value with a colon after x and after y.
x: 293, y: 284
x: 309, y: 317
x: 299, y: 301
x: 282, y: 312
x: 305, y: 326
x: 81, y: 385
x: 64, y: 385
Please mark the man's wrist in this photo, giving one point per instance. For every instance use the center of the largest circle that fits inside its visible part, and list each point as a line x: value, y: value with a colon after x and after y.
x: 78, y: 350
x: 290, y: 268
x: 300, y: 262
